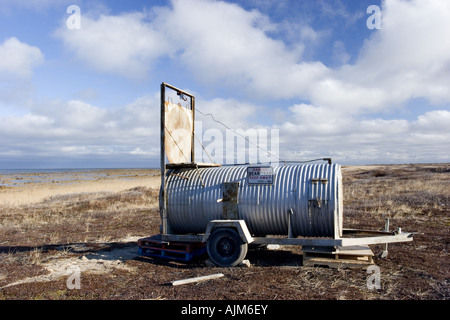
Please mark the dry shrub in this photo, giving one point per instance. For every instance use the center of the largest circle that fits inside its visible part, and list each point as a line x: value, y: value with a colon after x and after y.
x: 81, y: 217
x: 401, y: 192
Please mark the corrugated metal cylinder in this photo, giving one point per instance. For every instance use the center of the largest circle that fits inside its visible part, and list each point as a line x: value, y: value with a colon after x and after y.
x: 312, y: 193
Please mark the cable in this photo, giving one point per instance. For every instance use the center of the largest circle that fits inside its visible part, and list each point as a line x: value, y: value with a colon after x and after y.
x: 209, y: 114
x: 203, y: 147
x: 176, y: 143
x: 268, y: 152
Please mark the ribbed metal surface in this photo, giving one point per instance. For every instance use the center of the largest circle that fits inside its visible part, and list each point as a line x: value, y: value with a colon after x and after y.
x: 313, y: 192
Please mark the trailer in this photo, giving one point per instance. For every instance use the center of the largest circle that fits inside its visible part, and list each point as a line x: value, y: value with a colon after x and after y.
x: 224, y: 209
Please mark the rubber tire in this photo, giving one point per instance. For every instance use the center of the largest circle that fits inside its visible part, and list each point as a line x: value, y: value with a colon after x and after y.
x: 226, y: 248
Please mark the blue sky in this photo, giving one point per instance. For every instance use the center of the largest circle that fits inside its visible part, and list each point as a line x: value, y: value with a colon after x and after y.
x: 312, y: 70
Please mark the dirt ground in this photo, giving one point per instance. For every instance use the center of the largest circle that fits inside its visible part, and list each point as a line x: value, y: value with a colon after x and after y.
x: 83, y: 246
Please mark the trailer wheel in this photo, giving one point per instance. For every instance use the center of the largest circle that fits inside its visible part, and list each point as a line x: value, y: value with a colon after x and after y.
x: 226, y: 248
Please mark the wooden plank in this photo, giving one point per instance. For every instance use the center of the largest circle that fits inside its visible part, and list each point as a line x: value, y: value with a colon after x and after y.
x: 179, y: 126
x: 156, y: 247
x: 197, y: 279
x: 354, y: 251
x: 398, y: 237
x: 186, y: 238
x: 333, y: 263
x: 352, y: 256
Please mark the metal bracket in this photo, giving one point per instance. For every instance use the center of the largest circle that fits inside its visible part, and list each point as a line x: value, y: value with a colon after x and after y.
x: 290, y: 232
x: 239, y: 225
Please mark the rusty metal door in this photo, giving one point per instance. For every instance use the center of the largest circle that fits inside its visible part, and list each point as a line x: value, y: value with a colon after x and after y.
x: 230, y: 200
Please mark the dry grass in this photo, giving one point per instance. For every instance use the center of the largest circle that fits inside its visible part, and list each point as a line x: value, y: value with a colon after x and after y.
x: 84, y: 224
x: 36, y: 193
x: 101, y: 209
x: 399, y: 192
x: 78, y: 217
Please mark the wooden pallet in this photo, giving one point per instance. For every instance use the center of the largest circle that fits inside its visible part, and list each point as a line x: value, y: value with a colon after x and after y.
x: 186, y: 251
x: 343, y: 257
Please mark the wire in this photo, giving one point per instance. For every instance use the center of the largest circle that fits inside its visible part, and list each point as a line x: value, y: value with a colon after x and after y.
x: 220, y: 122
x: 203, y: 147
x: 176, y: 144
x: 268, y: 152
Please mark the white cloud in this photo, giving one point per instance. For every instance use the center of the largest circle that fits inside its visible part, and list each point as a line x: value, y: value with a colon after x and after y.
x: 217, y: 43
x: 309, y: 120
x: 18, y: 59
x: 230, y: 112
x: 223, y: 44
x: 340, y: 54
x: 409, y: 56
x: 125, y: 44
x: 434, y: 122
x: 80, y: 115
x: 143, y: 112
x: 27, y: 125
x: 64, y: 129
x: 314, y: 132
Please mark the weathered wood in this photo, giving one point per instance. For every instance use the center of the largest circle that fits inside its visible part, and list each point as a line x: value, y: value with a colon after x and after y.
x: 383, y: 237
x: 179, y: 125
x: 155, y: 246
x: 197, y: 279
x: 353, y: 256
x: 182, y: 237
x: 335, y: 264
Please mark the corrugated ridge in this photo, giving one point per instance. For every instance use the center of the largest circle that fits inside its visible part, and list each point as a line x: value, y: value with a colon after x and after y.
x: 265, y: 208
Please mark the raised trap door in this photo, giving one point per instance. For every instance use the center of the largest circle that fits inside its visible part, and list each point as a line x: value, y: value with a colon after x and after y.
x: 230, y: 200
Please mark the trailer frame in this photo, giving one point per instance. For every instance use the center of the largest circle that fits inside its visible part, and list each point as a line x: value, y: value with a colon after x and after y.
x: 357, y: 236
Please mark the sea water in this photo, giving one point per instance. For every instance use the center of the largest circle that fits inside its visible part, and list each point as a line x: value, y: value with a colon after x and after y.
x: 19, y: 177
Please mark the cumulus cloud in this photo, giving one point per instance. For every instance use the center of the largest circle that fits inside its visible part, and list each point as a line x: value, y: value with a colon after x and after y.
x: 223, y: 44
x: 18, y: 63
x: 220, y: 43
x: 74, y: 127
x: 319, y: 132
x: 230, y: 112
x: 409, y: 56
x: 434, y: 122
x: 217, y: 43
x: 125, y: 44
x: 18, y: 59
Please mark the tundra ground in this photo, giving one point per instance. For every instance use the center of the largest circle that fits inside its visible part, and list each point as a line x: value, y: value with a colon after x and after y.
x: 53, y: 231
